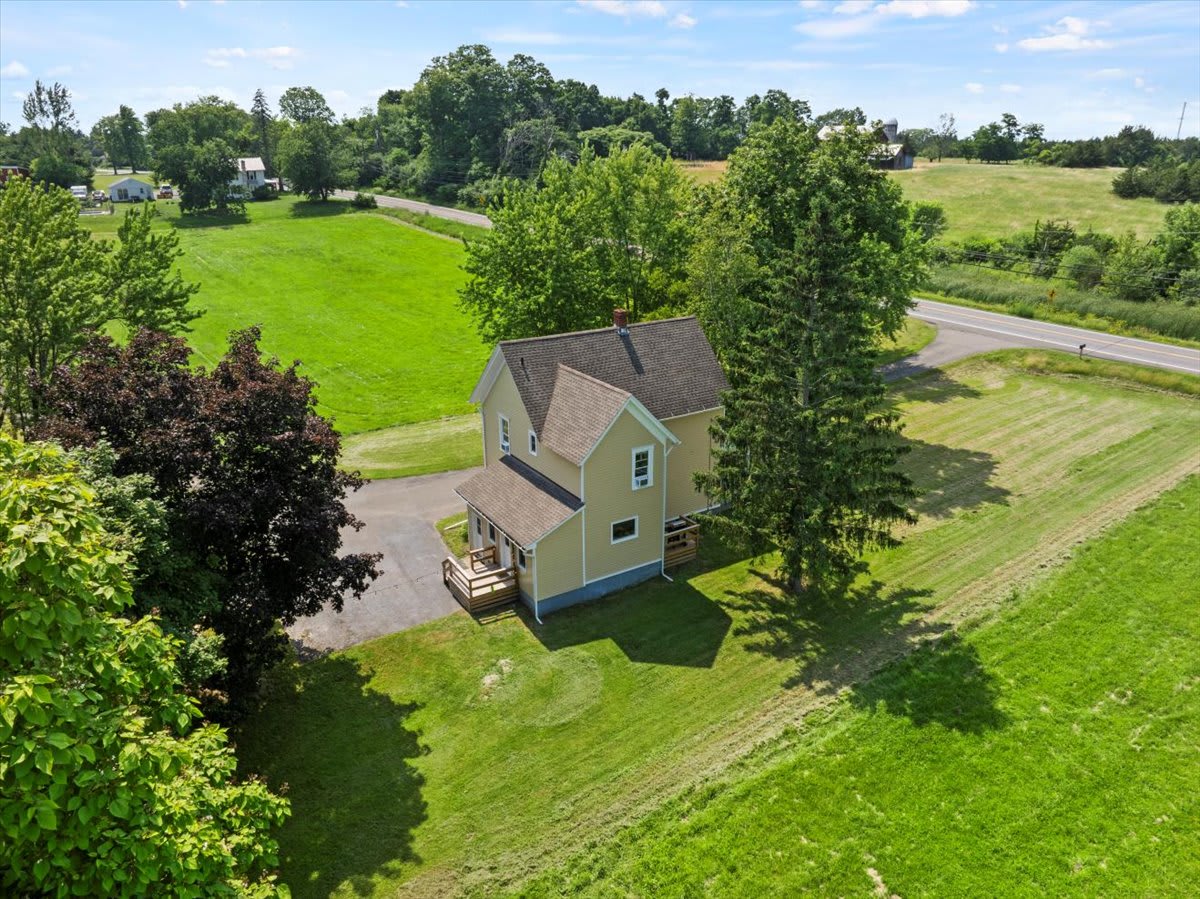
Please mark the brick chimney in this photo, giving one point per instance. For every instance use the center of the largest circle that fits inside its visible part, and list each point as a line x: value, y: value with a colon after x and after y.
x: 621, y: 321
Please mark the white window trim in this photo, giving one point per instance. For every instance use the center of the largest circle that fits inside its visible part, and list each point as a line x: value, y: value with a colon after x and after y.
x: 505, y: 440
x: 632, y: 536
x: 533, y: 442
x: 649, y: 451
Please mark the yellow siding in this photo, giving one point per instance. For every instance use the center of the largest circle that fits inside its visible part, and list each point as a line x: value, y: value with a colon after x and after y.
x: 504, y: 399
x: 691, y: 455
x: 609, y: 496
x: 559, y: 567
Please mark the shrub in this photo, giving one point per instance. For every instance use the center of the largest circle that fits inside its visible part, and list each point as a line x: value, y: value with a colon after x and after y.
x: 928, y: 219
x: 1130, y: 273
x: 364, y: 201
x: 264, y: 192
x: 1083, y: 265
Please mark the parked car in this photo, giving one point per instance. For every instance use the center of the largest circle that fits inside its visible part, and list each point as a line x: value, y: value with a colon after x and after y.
x: 165, y: 192
x: 79, y: 191
x: 98, y: 196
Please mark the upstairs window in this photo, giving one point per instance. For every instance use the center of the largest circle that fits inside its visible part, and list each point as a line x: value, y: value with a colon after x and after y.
x: 532, y: 443
x: 505, y: 446
x: 521, y: 559
x: 643, y: 467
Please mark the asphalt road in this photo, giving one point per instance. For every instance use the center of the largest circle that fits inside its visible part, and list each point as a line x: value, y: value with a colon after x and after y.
x: 443, y: 212
x: 1010, y: 331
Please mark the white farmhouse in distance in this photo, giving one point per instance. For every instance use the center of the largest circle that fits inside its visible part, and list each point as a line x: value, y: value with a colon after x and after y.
x: 128, y: 190
x: 251, y: 173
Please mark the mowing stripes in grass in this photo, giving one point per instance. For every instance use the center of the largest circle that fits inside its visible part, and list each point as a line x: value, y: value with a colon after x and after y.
x: 1050, y: 752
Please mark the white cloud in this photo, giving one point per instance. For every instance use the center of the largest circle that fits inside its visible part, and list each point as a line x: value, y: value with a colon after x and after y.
x: 862, y: 16
x: 1067, y: 34
x: 14, y: 70
x: 275, y: 57
x: 1001, y: 48
x: 182, y: 3
x: 401, y: 4
x: 1139, y: 82
x: 811, y: 4
x: 628, y: 9
x: 922, y: 9
x: 1010, y: 88
x: 974, y: 87
x: 1000, y: 29
x: 682, y: 20
x: 1108, y: 74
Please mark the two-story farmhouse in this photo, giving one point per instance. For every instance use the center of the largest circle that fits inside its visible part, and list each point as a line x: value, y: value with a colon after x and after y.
x: 590, y: 441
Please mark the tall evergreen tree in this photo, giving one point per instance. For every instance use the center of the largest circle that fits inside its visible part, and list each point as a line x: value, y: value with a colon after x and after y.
x: 806, y: 448
x: 260, y: 112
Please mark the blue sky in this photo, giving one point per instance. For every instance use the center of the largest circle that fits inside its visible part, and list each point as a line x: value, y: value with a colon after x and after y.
x: 1081, y: 68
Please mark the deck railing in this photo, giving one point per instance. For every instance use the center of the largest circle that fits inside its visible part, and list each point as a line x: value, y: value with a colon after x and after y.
x: 479, y: 584
x: 682, y: 541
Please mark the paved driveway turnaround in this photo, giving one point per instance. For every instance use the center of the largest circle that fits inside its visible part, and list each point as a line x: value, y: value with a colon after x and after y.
x: 399, y: 515
x: 442, y: 212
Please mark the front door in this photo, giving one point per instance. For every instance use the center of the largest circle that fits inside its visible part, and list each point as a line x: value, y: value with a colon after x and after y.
x: 505, y: 553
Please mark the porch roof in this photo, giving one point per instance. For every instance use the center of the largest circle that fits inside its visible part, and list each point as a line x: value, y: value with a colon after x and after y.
x: 523, y: 503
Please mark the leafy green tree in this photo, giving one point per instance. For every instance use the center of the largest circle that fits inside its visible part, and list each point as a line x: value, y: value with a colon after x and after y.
x: 107, y: 787
x: 52, y: 292
x: 806, y: 446
x: 1083, y: 265
x: 248, y: 473
x: 106, y: 135
x: 946, y: 134
x: 1131, y: 270
x: 56, y: 150
x: 310, y: 158
x: 195, y: 146
x: 148, y: 290
x: 302, y: 105
x: 132, y: 137
x: 928, y: 219
x: 604, y: 233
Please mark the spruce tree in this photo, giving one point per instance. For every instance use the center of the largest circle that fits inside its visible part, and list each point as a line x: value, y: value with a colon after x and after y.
x: 806, y: 447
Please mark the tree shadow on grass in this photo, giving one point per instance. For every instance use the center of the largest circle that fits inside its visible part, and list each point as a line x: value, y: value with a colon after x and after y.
x: 862, y: 638
x: 310, y: 209
x: 931, y: 386
x: 942, y: 682
x: 342, y: 754
x: 657, y: 622
x: 950, y: 479
x: 191, y: 220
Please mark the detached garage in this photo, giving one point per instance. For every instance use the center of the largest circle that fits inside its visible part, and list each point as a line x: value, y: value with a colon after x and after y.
x: 128, y: 189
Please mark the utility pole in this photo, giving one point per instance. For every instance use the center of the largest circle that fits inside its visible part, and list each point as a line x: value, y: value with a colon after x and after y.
x: 1183, y: 112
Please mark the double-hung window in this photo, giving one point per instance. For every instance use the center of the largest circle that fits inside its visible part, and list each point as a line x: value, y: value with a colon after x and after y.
x: 643, y: 467
x: 505, y: 445
x: 533, y: 443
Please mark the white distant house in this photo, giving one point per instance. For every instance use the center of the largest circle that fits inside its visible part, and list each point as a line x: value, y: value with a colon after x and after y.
x: 251, y: 173
x: 129, y: 189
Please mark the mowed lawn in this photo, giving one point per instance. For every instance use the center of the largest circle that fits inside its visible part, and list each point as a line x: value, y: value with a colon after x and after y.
x: 997, y: 200
x: 461, y: 756
x: 367, y: 304
x: 1051, y: 752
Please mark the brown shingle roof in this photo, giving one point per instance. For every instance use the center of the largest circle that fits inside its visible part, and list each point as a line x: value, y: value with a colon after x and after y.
x: 668, y: 365
x: 523, y: 503
x: 580, y: 411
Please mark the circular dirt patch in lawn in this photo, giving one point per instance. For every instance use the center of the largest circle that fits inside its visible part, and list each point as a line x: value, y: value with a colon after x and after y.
x: 548, y: 689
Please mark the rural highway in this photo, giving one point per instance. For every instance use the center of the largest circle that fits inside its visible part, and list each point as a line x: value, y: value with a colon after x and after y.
x: 442, y: 212
x: 1010, y: 331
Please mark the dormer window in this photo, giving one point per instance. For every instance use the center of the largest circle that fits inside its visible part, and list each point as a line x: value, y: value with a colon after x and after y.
x: 533, y: 443
x: 643, y: 467
x: 505, y: 445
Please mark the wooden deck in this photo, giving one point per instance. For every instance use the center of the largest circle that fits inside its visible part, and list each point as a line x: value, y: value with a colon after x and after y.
x: 682, y: 543
x: 478, y: 582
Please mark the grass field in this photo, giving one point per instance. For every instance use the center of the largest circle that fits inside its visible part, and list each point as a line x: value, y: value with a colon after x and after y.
x: 368, y: 305
x: 481, y: 754
x: 1050, y: 752
x: 997, y: 200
